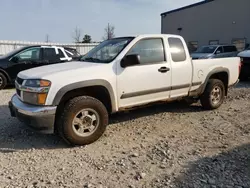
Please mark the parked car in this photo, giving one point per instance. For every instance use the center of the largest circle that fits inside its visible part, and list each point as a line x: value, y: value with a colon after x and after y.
x: 75, y: 99
x: 215, y: 51
x: 245, y: 60
x: 73, y: 53
x: 29, y: 57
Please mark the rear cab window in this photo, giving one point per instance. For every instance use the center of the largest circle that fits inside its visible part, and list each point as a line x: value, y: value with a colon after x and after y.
x: 177, y: 49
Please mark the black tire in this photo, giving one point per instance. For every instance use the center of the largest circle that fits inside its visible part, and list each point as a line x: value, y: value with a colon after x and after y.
x: 206, y: 98
x: 3, y: 81
x: 66, y: 128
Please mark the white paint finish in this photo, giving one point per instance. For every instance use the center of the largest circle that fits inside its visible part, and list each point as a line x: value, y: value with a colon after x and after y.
x: 140, y: 78
x: 181, y: 72
x: 208, y: 65
x: 134, y: 79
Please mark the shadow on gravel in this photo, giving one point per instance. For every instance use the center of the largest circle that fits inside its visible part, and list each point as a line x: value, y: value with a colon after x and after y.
x: 174, y: 107
x: 229, y: 169
x: 245, y: 84
x: 17, y: 136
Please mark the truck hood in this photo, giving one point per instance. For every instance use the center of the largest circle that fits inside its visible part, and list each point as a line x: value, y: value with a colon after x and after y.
x: 200, y: 55
x: 245, y: 53
x: 60, y: 68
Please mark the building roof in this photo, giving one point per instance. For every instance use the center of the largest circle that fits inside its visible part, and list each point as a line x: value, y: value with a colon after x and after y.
x: 186, y: 7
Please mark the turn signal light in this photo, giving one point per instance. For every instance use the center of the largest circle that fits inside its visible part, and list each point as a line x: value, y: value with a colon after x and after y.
x: 41, y: 99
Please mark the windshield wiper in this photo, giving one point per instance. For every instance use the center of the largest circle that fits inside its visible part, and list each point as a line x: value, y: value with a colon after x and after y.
x: 92, y: 59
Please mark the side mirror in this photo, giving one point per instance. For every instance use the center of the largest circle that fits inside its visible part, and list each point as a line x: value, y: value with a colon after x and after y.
x: 218, y: 52
x: 15, y: 59
x: 130, y: 60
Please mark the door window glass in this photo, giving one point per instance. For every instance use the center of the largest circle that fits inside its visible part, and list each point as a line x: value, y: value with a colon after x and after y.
x: 61, y: 55
x: 30, y: 54
x: 177, y: 49
x: 192, y: 46
x: 229, y: 49
x: 219, y: 50
x: 150, y: 51
x: 50, y: 54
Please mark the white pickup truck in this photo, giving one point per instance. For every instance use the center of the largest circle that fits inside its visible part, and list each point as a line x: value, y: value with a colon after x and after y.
x: 75, y: 99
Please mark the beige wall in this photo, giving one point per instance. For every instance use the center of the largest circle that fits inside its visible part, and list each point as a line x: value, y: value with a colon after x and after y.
x: 221, y: 20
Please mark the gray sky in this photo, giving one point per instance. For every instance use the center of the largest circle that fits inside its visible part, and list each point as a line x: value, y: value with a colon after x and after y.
x: 31, y: 20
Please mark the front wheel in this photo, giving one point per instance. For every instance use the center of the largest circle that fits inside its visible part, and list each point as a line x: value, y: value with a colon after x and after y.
x: 83, y: 121
x: 3, y: 81
x: 214, y: 94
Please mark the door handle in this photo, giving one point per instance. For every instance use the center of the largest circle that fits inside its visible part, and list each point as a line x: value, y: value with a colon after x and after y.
x: 164, y: 69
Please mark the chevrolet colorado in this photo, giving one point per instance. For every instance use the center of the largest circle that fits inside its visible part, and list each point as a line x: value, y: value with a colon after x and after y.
x: 75, y: 99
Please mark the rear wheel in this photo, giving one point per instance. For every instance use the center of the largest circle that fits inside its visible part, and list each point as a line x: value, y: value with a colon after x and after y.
x: 3, y: 81
x: 83, y: 121
x: 213, y: 95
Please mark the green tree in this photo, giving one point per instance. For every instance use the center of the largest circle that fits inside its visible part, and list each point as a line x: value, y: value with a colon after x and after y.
x: 86, y: 39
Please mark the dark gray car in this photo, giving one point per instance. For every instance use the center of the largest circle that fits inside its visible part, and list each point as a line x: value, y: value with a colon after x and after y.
x: 215, y: 51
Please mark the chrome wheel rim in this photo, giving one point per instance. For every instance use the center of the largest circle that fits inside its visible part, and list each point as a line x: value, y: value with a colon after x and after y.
x: 216, y: 95
x: 85, y: 122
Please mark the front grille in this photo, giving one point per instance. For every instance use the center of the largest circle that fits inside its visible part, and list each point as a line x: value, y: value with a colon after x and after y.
x: 19, y: 80
x: 18, y: 92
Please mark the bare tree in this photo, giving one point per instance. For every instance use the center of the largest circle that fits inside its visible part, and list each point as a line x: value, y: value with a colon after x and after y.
x: 77, y: 35
x: 47, y: 38
x: 109, y: 32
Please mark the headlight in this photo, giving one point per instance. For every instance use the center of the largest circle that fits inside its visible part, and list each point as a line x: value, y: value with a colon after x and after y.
x: 37, y: 83
x: 35, y: 91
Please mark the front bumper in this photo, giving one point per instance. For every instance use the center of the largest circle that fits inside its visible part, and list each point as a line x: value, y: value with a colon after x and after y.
x: 40, y: 118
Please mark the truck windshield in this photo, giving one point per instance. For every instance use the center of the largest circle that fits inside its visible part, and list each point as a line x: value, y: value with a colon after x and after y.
x: 107, y: 51
x: 206, y: 49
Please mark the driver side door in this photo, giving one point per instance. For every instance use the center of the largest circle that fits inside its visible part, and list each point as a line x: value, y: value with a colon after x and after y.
x: 148, y: 81
x: 24, y: 60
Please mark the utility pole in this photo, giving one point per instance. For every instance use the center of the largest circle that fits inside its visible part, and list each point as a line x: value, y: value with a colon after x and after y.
x: 47, y: 38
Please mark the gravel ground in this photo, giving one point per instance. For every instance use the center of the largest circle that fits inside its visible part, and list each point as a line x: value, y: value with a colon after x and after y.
x: 170, y: 145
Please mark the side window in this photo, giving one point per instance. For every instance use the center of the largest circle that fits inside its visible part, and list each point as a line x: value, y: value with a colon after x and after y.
x: 50, y: 54
x: 177, y: 49
x: 61, y: 54
x: 219, y: 50
x: 229, y: 49
x: 192, y: 46
x: 30, y: 54
x: 150, y: 50
x: 69, y: 54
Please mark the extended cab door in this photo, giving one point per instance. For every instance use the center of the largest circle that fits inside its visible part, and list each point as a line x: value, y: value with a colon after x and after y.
x: 182, y: 70
x: 150, y: 80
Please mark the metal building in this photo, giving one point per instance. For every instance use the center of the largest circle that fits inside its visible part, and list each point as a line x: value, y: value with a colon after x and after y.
x: 210, y: 22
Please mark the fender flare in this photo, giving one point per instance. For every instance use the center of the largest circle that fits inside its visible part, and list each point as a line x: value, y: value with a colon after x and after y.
x: 78, y: 85
x: 202, y: 88
x: 214, y: 71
